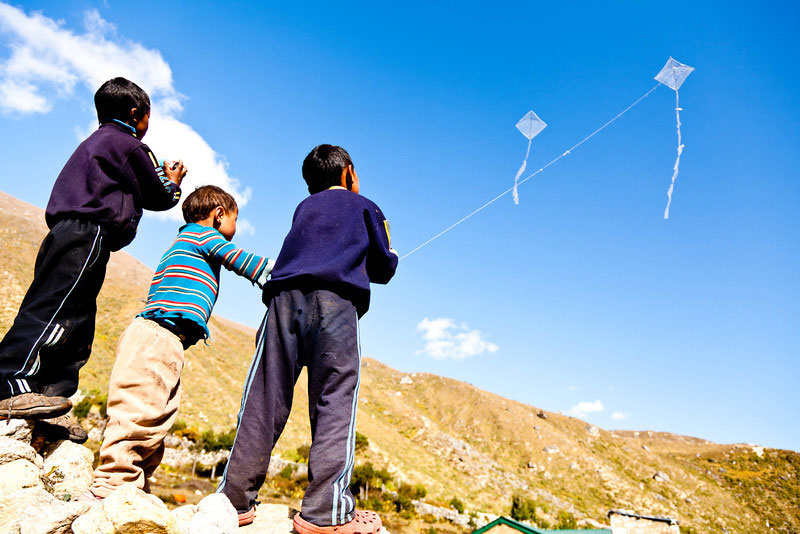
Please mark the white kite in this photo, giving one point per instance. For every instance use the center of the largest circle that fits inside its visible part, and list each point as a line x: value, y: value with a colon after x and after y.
x: 673, y: 75
x: 530, y: 125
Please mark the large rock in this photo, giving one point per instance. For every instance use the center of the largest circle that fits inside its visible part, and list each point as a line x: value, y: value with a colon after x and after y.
x: 128, y: 510
x: 271, y: 519
x: 12, y: 449
x: 18, y: 429
x: 35, y: 511
x: 69, y: 469
x: 215, y: 515
x: 183, y: 516
x: 19, y: 474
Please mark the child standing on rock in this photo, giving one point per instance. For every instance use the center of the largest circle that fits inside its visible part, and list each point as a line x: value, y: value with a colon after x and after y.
x: 144, y: 389
x: 338, y: 244
x: 94, y: 209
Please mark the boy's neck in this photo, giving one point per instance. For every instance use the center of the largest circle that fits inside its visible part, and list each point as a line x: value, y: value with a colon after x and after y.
x: 126, y: 125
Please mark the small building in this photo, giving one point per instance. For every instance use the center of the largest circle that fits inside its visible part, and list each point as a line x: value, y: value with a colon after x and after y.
x: 623, y: 522
x: 504, y: 525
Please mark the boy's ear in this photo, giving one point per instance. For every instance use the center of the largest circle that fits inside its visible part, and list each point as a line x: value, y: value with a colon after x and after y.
x: 350, y: 179
x: 134, y: 115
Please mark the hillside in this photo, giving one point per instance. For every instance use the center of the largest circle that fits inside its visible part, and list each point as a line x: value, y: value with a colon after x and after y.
x: 449, y: 436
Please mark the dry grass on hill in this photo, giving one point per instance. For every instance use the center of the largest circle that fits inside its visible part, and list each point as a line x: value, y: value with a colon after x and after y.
x: 451, y: 437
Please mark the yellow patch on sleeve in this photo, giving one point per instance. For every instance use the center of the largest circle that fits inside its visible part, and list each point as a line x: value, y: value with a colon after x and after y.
x: 153, y: 159
x: 388, y: 233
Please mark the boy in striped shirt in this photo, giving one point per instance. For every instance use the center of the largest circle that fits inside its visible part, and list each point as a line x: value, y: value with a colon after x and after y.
x: 144, y: 387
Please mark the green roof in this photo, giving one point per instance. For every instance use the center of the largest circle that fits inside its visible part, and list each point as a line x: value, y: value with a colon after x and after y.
x: 527, y: 529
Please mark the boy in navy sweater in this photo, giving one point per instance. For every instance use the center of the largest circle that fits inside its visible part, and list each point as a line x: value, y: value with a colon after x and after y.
x: 339, y: 243
x: 94, y: 209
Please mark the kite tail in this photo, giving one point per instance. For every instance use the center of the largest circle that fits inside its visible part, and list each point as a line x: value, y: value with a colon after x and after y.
x: 520, y: 171
x: 677, y: 159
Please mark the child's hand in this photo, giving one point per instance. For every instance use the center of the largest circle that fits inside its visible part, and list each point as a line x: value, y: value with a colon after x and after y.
x: 175, y: 171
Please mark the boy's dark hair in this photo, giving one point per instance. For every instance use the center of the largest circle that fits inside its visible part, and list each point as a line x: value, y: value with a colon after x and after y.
x: 323, y: 166
x: 202, y: 201
x: 116, y: 98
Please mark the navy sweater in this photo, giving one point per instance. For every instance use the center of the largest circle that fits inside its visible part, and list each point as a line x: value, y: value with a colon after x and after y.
x: 339, y: 241
x: 108, y: 180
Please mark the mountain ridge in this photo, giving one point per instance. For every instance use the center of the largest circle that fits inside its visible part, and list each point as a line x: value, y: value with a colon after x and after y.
x: 454, y: 438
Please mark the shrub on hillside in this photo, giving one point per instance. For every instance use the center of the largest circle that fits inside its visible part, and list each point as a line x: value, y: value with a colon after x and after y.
x: 457, y: 505
x: 362, y: 442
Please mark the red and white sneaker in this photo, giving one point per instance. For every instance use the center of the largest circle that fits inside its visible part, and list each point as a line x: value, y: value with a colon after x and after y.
x: 364, y: 522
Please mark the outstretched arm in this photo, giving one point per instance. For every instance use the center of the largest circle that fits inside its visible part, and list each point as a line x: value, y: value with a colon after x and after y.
x: 254, y: 268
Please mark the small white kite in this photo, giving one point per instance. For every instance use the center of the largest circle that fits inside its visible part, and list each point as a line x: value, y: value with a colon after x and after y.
x: 530, y: 125
x: 673, y: 75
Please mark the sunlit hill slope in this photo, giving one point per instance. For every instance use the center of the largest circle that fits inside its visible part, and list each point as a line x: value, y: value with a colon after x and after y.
x: 451, y: 437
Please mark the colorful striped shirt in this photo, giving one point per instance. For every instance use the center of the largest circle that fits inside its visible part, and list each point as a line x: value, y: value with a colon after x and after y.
x: 186, y: 282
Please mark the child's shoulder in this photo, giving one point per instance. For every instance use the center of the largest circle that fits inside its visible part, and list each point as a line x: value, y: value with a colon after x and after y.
x: 110, y: 137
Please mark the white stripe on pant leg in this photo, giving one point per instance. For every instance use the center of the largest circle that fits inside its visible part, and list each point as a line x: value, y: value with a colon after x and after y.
x: 339, y: 497
x: 23, y: 386
x: 248, y: 382
x: 57, y: 331
x: 351, y: 445
x: 88, y: 257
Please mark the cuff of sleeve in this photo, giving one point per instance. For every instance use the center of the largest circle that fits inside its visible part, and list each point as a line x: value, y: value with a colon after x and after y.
x: 265, y: 273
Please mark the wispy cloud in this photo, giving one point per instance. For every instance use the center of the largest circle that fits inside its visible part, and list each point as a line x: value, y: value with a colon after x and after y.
x: 446, y: 340
x: 573, y: 389
x: 584, y: 408
x: 619, y: 416
x: 48, y: 63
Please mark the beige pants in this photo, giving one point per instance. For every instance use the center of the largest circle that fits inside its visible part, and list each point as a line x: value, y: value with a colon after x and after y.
x: 144, y: 392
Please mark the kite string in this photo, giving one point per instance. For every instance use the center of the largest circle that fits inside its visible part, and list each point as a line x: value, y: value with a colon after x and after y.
x: 677, y: 159
x: 510, y: 189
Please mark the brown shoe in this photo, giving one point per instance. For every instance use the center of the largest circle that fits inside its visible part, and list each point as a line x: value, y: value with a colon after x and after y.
x: 33, y: 406
x: 62, y: 427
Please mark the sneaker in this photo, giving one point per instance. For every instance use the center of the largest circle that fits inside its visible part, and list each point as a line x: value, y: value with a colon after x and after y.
x: 364, y: 522
x: 33, y: 406
x: 62, y: 427
x: 247, y: 517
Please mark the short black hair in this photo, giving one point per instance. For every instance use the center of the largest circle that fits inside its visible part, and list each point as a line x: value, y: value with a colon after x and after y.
x: 323, y: 166
x: 116, y: 98
x: 205, y: 199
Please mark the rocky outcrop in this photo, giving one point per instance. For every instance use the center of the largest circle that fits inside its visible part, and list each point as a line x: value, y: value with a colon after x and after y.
x: 40, y: 482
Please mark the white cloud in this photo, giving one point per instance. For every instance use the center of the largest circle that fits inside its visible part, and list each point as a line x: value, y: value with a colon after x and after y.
x: 619, y: 416
x: 444, y: 340
x: 48, y: 62
x: 584, y: 408
x: 573, y: 389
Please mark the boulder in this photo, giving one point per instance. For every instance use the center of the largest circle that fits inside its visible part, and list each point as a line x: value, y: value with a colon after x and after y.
x: 19, y: 474
x: 660, y: 476
x: 68, y: 467
x: 38, y: 512
x: 183, y: 516
x: 18, y: 429
x: 215, y: 515
x: 12, y: 449
x: 128, y: 510
x: 271, y: 519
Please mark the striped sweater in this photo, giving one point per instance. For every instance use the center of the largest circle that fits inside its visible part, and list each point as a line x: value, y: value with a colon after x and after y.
x: 186, y: 282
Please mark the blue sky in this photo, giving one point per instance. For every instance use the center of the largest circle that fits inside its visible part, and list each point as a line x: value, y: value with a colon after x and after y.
x: 581, y: 299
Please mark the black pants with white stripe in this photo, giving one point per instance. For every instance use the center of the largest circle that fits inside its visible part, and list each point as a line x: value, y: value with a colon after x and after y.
x: 319, y: 330
x: 52, y: 335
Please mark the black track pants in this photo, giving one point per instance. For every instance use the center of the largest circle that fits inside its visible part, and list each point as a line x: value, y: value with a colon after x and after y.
x: 52, y: 334
x: 319, y: 330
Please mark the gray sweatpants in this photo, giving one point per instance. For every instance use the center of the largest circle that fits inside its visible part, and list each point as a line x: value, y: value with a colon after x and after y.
x: 319, y: 330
